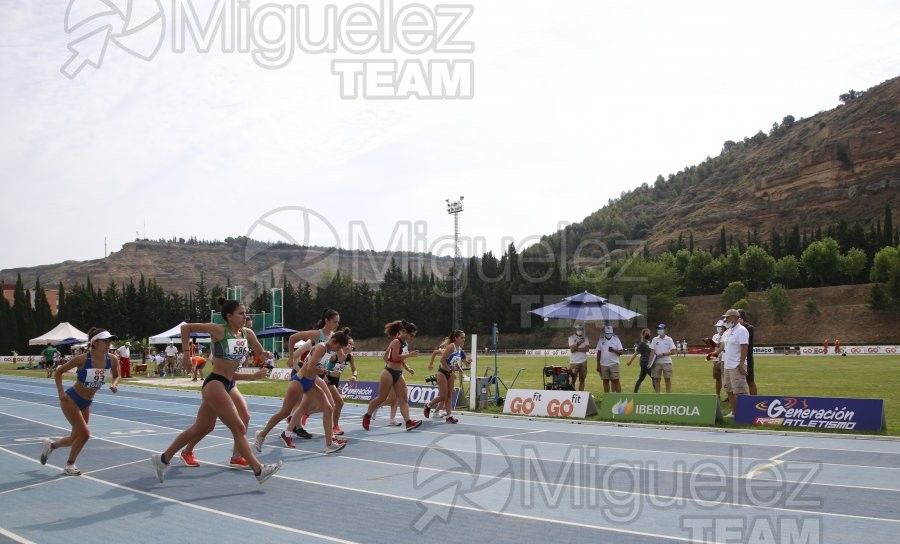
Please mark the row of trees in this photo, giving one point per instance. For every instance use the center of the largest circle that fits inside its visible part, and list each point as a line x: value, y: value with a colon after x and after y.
x: 493, y: 290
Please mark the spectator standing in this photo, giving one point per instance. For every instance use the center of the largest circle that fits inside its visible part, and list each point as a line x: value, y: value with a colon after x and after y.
x: 663, y: 348
x: 751, y: 373
x: 50, y: 353
x: 643, y: 350
x: 716, y: 357
x: 124, y: 354
x: 171, y: 354
x: 579, y: 345
x: 734, y: 349
x: 608, y: 350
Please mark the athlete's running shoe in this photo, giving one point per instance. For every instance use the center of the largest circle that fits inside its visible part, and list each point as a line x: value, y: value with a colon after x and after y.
x: 46, y: 450
x: 188, y: 458
x: 451, y: 419
x: 335, y: 447
x: 395, y: 423
x: 337, y: 430
x: 427, y: 411
x: 341, y: 440
x: 413, y: 424
x: 267, y: 471
x: 71, y: 470
x: 367, y: 419
x: 258, y: 441
x: 300, y: 432
x: 239, y: 462
x: 288, y: 441
x: 159, y: 466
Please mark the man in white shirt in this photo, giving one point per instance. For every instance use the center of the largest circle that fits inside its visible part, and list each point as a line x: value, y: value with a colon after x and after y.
x: 663, y: 348
x: 734, y: 348
x: 579, y: 346
x: 608, y: 350
x: 171, y: 354
x: 124, y: 353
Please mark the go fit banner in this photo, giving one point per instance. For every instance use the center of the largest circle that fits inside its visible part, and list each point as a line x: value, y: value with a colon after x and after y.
x: 694, y: 409
x: 540, y: 402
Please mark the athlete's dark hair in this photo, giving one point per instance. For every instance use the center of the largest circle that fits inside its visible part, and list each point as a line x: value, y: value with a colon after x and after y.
x: 327, y: 314
x: 394, y: 327
x: 228, y: 307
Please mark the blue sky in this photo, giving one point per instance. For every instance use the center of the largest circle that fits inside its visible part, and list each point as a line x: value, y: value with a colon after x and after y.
x: 573, y: 103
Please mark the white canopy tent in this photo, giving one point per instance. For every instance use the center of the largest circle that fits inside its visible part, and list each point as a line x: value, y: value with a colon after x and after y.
x: 174, y: 334
x: 59, y: 333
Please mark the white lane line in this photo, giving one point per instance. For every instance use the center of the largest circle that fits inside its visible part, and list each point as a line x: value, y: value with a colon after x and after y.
x: 14, y: 537
x: 773, y: 462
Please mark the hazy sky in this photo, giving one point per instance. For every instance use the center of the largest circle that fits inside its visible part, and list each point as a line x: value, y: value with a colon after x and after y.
x: 571, y: 104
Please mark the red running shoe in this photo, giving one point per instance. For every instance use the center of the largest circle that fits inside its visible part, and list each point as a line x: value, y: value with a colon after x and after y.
x: 427, y: 411
x: 413, y: 424
x: 366, y: 420
x: 188, y: 458
x: 337, y: 430
x: 451, y: 419
x: 239, y: 462
x: 288, y: 441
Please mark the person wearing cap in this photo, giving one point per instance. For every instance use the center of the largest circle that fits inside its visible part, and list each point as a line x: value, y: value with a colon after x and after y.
x: 661, y: 366
x: 608, y: 350
x: 751, y: 330
x: 94, y: 367
x: 171, y: 354
x: 124, y: 354
x: 734, y: 348
x: 716, y: 357
x: 579, y: 346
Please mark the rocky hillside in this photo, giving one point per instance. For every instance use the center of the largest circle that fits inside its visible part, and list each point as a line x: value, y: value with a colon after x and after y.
x: 177, y: 267
x: 842, y: 164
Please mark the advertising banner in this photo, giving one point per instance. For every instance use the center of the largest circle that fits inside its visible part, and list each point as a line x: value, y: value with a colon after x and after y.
x: 549, y: 403
x: 811, y: 412
x: 692, y: 409
x: 418, y: 395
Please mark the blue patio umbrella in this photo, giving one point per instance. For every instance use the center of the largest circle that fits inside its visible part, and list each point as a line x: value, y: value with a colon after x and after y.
x: 586, y: 307
x: 272, y: 332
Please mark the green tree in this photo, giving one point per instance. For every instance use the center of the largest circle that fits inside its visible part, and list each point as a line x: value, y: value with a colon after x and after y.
x: 24, y: 316
x: 9, y: 330
x: 43, y: 317
x: 853, y: 264
x: 787, y: 268
x: 779, y: 302
x: 678, y: 312
x: 821, y: 260
x: 885, y: 274
x: 758, y: 267
x: 734, y: 292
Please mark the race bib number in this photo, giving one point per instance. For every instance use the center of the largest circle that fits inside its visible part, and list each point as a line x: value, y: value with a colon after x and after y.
x: 95, y: 378
x: 238, y: 349
x: 453, y: 363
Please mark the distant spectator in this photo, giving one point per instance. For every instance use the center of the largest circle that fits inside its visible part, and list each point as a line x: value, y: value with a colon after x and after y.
x: 751, y: 373
x: 579, y: 346
x: 734, y: 349
x: 663, y: 348
x: 171, y: 354
x: 124, y: 354
x: 608, y: 350
x: 49, y: 353
x: 643, y: 350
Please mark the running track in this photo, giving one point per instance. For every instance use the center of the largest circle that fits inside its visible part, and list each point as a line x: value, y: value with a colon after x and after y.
x: 487, y: 479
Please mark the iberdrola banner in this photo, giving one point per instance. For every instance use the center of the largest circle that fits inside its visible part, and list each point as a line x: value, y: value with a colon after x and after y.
x: 654, y: 408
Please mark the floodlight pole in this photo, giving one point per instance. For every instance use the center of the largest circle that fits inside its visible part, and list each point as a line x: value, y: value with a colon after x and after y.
x: 455, y: 208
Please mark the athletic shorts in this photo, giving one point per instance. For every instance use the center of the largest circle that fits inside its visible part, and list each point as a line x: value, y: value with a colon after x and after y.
x: 444, y: 372
x: 213, y: 377
x: 305, y: 383
x: 332, y: 380
x: 578, y: 371
x: 661, y: 370
x: 395, y: 374
x: 610, y: 372
x: 735, y: 382
x: 80, y: 401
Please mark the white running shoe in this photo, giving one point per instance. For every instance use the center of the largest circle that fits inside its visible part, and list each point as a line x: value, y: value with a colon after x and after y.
x: 258, y: 441
x: 395, y: 423
x: 46, y: 450
x: 71, y: 470
x: 267, y: 471
x: 729, y: 415
x: 159, y: 466
x: 335, y: 447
